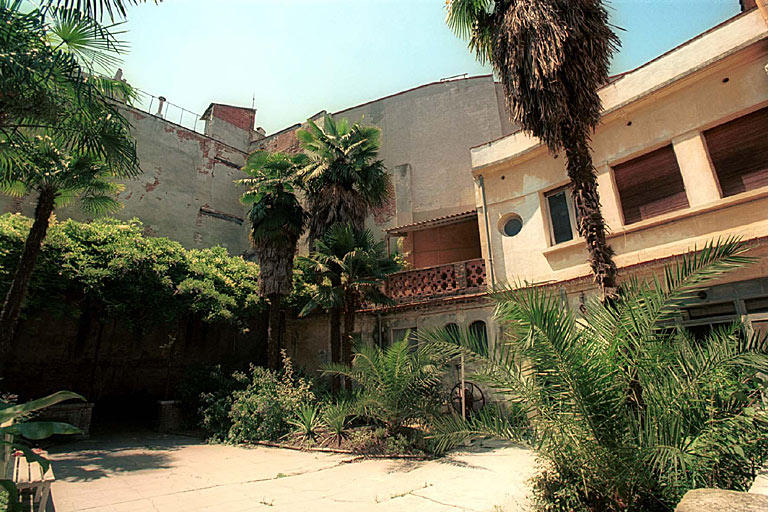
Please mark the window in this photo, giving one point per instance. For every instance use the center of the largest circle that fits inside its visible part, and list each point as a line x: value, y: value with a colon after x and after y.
x: 562, y: 215
x: 701, y: 320
x: 453, y: 330
x: 512, y: 225
x: 650, y: 185
x: 480, y: 335
x: 399, y: 334
x: 739, y: 153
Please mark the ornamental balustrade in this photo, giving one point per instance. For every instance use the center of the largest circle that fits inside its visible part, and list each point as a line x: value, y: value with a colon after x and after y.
x: 454, y: 279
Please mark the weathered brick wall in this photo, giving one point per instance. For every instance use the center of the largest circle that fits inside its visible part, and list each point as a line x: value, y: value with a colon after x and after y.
x: 186, y: 191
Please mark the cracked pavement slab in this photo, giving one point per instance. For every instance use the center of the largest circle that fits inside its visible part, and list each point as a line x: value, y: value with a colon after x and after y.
x: 152, y: 472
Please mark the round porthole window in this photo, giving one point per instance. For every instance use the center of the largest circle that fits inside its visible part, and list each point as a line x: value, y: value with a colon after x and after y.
x: 512, y: 225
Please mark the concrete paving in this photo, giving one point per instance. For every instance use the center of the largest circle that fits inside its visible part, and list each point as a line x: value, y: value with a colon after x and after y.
x: 150, y: 472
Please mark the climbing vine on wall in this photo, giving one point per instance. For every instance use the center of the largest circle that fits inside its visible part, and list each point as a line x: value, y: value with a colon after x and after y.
x: 110, y: 266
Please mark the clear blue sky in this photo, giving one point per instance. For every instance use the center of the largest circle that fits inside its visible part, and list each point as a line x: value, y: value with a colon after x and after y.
x: 301, y: 56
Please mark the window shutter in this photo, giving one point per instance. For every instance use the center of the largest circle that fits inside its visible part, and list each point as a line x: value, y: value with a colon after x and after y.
x: 650, y: 185
x: 739, y: 152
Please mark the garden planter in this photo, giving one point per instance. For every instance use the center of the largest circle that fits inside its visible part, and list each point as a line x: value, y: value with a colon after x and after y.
x: 168, y: 416
x: 77, y: 414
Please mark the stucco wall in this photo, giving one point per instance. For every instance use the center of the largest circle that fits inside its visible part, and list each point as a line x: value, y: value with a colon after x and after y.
x: 516, y: 179
x: 427, y: 133
x: 431, y: 128
x: 186, y: 191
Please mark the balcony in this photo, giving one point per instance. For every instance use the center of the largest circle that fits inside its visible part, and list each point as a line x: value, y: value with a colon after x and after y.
x: 425, y: 284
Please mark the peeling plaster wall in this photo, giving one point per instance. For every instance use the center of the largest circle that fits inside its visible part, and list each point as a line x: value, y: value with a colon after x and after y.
x: 186, y: 191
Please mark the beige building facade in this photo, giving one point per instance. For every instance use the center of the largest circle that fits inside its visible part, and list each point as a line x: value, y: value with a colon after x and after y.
x: 682, y: 160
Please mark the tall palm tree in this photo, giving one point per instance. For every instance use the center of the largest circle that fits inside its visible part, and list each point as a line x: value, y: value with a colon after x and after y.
x: 72, y: 148
x: 343, y: 178
x: 349, y: 267
x: 551, y: 56
x: 277, y: 223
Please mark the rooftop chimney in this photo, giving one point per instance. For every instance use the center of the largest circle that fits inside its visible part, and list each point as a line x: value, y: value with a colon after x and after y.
x: 161, y: 101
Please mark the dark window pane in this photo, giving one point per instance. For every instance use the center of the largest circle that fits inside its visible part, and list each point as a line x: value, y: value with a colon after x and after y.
x: 480, y: 334
x: 710, y: 310
x: 560, y: 217
x: 759, y: 305
x: 700, y: 332
x: 513, y: 226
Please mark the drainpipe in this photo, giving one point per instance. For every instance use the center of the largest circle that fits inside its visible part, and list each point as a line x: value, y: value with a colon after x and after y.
x: 491, y: 273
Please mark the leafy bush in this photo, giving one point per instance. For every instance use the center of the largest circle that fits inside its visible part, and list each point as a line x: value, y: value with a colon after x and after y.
x: 143, y: 280
x: 263, y: 410
x: 336, y: 417
x: 400, y: 384
x: 206, y: 394
x: 628, y: 407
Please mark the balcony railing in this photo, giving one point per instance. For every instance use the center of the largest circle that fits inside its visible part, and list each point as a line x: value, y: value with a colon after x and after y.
x: 455, y: 279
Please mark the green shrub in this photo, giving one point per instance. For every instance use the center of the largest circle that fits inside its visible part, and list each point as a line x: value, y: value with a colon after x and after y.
x: 629, y: 408
x: 399, y: 384
x: 336, y: 417
x: 307, y: 421
x: 144, y: 281
x: 206, y: 395
x: 262, y: 411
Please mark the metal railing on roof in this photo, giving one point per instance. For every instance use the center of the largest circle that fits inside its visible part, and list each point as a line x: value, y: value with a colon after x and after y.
x: 159, y: 106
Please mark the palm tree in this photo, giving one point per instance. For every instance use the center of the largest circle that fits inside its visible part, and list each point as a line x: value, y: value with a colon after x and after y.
x: 551, y: 57
x: 277, y: 223
x: 71, y: 148
x: 700, y: 424
x: 349, y: 268
x: 399, y: 384
x: 343, y: 178
x: 95, y: 9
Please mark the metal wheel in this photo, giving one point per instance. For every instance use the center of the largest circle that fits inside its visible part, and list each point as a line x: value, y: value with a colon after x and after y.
x: 474, y: 398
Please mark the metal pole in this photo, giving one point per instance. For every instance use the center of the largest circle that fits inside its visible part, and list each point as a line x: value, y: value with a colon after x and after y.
x: 463, y: 384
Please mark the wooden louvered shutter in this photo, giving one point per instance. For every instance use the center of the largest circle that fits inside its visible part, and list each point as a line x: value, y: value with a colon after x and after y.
x: 739, y: 152
x: 650, y: 185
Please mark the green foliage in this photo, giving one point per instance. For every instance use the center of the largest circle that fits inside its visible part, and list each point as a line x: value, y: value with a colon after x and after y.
x: 264, y: 409
x: 347, y: 268
x: 336, y: 417
x: 68, y: 138
x: 630, y: 410
x: 145, y: 281
x: 307, y: 421
x: 14, y: 423
x: 400, y: 384
x: 343, y: 178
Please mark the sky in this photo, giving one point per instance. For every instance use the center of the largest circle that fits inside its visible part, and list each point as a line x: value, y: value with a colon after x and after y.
x: 293, y: 58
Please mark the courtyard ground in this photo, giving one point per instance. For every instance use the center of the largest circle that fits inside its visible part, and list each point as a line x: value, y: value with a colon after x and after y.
x: 150, y: 472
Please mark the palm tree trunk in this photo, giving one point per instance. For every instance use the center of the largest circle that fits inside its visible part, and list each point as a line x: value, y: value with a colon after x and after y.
x: 273, y: 332
x: 15, y: 297
x: 349, y: 331
x: 591, y: 224
x: 335, y: 319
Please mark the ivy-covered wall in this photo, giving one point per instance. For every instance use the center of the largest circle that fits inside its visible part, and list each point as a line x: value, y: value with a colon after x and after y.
x: 117, y: 315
